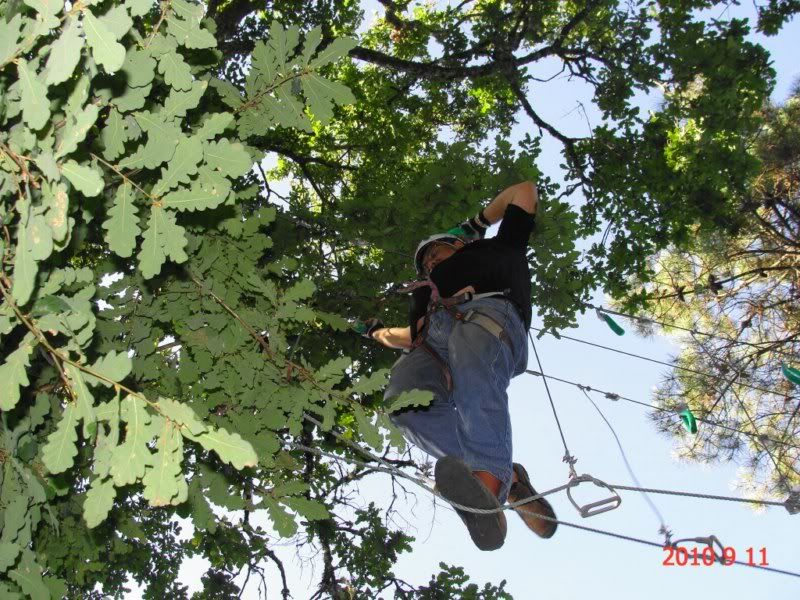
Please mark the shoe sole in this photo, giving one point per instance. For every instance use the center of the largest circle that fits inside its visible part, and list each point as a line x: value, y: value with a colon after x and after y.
x: 455, y: 481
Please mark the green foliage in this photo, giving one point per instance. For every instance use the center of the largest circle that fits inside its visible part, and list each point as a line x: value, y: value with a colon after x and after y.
x: 99, y: 500
x: 115, y: 82
x: 167, y: 323
x: 163, y: 239
x: 123, y: 224
x: 14, y: 373
x: 278, y: 65
x: 411, y: 398
x: 452, y: 582
x: 59, y: 453
x: 731, y: 285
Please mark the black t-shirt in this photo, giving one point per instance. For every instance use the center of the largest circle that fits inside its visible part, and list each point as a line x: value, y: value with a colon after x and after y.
x: 488, y: 265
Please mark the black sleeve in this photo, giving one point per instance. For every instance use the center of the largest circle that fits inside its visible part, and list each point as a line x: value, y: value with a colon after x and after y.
x: 420, y: 298
x: 516, y: 227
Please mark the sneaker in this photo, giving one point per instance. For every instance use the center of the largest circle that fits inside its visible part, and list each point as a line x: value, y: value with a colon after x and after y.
x: 531, y: 512
x: 455, y: 482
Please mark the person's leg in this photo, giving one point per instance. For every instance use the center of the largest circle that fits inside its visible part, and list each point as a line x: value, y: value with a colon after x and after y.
x: 482, y: 367
x: 431, y: 428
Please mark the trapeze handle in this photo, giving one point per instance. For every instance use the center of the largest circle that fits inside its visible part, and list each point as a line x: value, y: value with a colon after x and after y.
x: 594, y: 508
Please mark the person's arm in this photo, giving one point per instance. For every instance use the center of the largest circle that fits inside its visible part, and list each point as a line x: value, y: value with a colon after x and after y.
x: 393, y: 337
x: 524, y: 195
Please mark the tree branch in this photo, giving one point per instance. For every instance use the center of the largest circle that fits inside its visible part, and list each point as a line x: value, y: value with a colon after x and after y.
x: 568, y: 142
x: 279, y: 564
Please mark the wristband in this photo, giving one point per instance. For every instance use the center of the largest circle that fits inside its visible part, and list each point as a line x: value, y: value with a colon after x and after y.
x: 482, y: 221
x: 475, y: 225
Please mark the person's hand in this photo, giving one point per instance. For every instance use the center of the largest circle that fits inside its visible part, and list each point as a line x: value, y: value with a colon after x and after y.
x: 367, y: 328
x: 469, y: 230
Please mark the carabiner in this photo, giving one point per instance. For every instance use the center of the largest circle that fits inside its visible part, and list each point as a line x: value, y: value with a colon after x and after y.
x: 711, y: 541
x: 593, y: 508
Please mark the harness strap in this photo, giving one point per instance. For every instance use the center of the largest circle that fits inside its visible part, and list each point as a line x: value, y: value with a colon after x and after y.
x: 448, y: 376
x: 471, y: 316
x: 490, y: 325
x: 469, y: 296
x: 420, y: 342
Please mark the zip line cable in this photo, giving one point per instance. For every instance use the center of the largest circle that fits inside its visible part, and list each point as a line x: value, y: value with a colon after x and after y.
x: 647, y: 320
x: 660, y: 362
x: 664, y: 529
x: 568, y: 458
x: 792, y: 504
x: 614, y: 396
x: 387, y: 467
x: 656, y: 544
x: 392, y: 469
x: 740, y: 402
x: 703, y: 496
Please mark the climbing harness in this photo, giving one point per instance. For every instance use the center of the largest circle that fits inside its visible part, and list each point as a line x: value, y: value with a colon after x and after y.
x: 449, y: 304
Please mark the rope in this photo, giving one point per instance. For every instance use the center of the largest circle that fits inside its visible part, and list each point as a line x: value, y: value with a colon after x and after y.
x: 568, y: 458
x: 395, y: 471
x: 659, y: 362
x: 615, y: 396
x: 392, y: 470
x: 698, y: 495
x: 693, y: 331
x: 664, y: 529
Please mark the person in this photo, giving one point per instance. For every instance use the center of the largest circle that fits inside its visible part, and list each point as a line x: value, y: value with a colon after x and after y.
x: 466, y: 339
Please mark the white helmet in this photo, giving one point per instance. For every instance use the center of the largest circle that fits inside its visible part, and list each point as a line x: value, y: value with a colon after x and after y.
x: 440, y: 238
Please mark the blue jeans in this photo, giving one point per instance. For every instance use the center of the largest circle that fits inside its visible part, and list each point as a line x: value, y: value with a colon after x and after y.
x: 470, y: 422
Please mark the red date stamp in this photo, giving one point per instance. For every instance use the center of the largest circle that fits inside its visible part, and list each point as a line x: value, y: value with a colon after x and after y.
x: 678, y: 556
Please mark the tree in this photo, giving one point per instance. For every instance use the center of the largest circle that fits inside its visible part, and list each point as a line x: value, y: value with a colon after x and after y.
x: 742, y: 288
x: 646, y: 179
x: 171, y: 325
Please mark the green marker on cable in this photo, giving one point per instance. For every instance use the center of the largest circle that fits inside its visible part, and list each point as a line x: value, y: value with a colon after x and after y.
x: 610, y: 322
x: 687, y: 416
x: 791, y: 374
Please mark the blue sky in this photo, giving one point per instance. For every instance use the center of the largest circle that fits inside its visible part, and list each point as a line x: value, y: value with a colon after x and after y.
x: 577, y: 564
